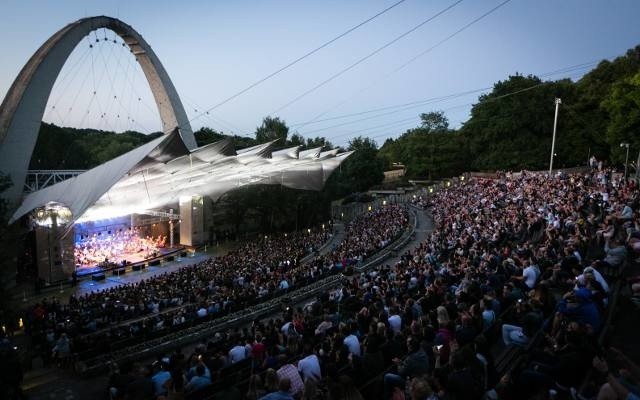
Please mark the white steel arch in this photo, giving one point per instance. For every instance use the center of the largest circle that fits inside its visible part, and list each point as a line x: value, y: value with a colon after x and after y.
x: 24, y: 104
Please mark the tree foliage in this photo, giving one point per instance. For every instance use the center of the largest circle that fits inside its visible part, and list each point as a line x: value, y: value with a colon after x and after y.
x: 623, y: 107
x: 206, y: 136
x: 511, y: 126
x: 272, y: 128
x: 434, y: 121
x: 70, y: 148
x: 362, y: 170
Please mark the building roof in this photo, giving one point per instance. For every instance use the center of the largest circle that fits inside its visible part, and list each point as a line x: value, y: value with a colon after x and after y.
x: 158, y: 173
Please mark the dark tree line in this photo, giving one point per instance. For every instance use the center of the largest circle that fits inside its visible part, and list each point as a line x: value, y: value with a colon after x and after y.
x: 511, y: 127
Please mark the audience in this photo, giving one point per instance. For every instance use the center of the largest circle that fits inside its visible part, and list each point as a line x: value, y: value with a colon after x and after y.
x: 500, y: 253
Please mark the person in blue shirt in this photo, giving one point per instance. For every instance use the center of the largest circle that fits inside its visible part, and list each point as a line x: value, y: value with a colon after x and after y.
x: 578, y: 306
x: 283, y: 391
x: 160, y: 377
x: 199, y: 381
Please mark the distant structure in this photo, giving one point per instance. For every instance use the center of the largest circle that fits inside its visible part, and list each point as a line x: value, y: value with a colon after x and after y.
x: 161, y: 190
x: 396, y: 172
x: 24, y: 105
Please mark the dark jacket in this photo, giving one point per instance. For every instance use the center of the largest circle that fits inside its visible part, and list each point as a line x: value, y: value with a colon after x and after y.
x: 416, y: 364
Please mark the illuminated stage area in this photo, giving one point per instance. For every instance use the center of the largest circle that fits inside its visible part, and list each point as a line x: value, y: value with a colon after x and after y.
x: 142, y: 204
x: 117, y: 247
x: 120, y: 247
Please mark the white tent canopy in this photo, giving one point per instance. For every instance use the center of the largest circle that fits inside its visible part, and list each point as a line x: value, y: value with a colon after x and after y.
x: 160, y: 172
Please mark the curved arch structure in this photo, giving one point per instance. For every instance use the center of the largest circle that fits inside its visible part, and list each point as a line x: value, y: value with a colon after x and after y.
x: 24, y: 104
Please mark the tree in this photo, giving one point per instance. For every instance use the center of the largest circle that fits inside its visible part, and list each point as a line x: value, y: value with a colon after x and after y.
x: 623, y: 107
x: 206, y: 136
x: 318, y: 142
x: 362, y: 170
x: 434, y: 121
x: 272, y: 129
x: 296, y: 140
x: 511, y: 127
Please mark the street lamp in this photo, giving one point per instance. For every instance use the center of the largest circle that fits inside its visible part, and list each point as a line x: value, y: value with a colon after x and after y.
x: 626, y: 160
x: 553, y: 140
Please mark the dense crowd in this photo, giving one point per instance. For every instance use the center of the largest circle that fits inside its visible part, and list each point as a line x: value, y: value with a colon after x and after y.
x: 509, y: 259
x: 259, y: 270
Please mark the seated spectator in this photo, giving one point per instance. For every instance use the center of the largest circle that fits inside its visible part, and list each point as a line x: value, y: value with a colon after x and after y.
x: 565, y: 364
x: 577, y: 305
x: 617, y: 385
x: 415, y: 364
x: 309, y: 366
x: 616, y: 254
x: 289, y: 372
x: 352, y: 342
x: 270, y: 381
x: 199, y: 381
x: 237, y: 352
x: 531, y: 320
x: 160, y: 377
x: 325, y: 325
x: 283, y: 393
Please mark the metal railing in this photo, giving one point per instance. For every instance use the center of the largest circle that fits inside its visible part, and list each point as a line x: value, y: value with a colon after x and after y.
x: 41, y: 178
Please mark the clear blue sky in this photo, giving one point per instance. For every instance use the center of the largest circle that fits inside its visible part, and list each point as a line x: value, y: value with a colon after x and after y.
x: 213, y: 49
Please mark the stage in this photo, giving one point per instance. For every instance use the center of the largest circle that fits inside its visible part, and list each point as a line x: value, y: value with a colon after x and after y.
x: 132, y: 260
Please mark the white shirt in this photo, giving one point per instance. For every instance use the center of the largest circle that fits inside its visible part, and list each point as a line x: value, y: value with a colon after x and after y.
x: 530, y: 276
x: 309, y: 367
x: 395, y: 322
x: 237, y: 353
x: 598, y: 277
x: 285, y: 328
x: 353, y: 344
x: 202, y: 312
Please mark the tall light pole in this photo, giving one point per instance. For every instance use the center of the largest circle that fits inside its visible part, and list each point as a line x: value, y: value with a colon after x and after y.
x: 553, y: 140
x: 626, y: 160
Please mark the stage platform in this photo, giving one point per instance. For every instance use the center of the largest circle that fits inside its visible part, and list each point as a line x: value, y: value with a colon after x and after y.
x: 25, y: 294
x: 132, y: 259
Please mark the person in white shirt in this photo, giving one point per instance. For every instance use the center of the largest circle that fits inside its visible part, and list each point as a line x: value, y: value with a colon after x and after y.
x: 395, y: 321
x: 352, y: 342
x: 529, y: 275
x: 237, y: 353
x: 596, y: 275
x: 309, y: 366
x: 285, y: 328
